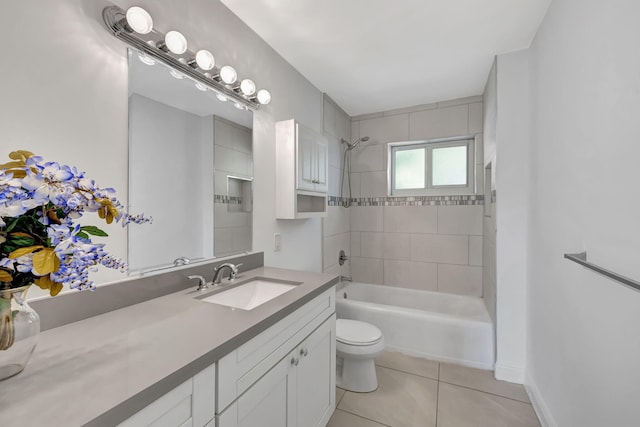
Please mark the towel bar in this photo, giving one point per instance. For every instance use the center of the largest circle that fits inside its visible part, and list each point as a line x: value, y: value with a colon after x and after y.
x: 581, y: 259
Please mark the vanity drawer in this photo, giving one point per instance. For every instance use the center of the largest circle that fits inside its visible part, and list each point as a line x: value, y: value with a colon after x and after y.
x: 241, y: 368
x: 174, y: 408
x: 191, y: 404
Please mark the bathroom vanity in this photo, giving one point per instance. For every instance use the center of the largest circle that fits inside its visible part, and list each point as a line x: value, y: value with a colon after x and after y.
x: 179, y: 361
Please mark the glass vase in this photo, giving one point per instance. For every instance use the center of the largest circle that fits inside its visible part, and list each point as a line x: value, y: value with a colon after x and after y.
x: 19, y: 329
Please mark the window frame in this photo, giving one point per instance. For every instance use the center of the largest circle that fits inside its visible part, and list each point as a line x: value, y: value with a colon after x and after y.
x: 429, y: 190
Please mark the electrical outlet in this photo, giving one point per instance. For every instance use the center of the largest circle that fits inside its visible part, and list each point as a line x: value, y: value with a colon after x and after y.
x: 277, y: 242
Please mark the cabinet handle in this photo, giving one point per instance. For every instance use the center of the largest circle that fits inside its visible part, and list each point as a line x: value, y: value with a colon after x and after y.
x: 295, y: 361
x: 304, y: 352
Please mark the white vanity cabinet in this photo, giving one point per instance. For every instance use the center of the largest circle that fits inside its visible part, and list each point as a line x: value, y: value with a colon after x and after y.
x: 302, y: 169
x: 299, y: 391
x: 286, y: 377
x: 312, y: 385
x: 191, y: 404
x: 283, y: 377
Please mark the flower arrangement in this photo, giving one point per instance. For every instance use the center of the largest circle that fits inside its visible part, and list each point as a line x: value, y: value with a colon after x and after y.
x: 39, y: 240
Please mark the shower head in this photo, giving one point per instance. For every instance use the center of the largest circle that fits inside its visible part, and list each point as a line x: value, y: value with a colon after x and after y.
x: 354, y: 144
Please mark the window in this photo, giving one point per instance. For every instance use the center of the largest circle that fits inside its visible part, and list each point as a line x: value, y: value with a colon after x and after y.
x: 436, y: 167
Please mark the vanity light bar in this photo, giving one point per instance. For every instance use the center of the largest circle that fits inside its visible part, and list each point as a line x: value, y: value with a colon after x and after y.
x: 135, y: 27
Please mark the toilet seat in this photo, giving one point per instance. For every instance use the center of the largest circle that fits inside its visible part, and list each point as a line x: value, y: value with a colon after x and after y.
x: 356, y: 333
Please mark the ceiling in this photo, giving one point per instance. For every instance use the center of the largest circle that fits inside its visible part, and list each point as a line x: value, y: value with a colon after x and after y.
x: 377, y: 55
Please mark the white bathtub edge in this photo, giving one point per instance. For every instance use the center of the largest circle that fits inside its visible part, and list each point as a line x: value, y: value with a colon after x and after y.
x: 444, y: 359
x: 414, y: 312
x: 539, y: 405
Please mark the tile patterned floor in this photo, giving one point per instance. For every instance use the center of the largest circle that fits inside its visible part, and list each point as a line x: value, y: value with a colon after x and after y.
x: 415, y: 392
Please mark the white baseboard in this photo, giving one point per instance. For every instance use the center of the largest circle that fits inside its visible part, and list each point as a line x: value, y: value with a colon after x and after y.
x: 539, y: 405
x: 510, y: 373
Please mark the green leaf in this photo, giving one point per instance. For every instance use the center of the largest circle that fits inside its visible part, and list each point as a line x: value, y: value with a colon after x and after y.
x: 20, y: 241
x: 11, y: 224
x: 93, y: 230
x: 82, y: 234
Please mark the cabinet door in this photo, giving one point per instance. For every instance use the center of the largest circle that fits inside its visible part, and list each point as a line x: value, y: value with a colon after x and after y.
x: 265, y: 404
x: 322, y: 168
x: 315, y: 377
x: 305, y: 165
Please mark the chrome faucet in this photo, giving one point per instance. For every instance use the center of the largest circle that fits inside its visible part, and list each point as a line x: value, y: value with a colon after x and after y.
x: 202, y: 283
x: 233, y: 271
x: 182, y: 260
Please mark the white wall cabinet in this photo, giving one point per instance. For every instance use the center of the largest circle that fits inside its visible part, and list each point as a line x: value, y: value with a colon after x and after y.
x: 299, y: 391
x: 302, y: 170
x: 312, y: 158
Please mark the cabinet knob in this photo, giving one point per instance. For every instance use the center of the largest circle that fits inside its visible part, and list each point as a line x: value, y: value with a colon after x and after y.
x: 295, y: 361
x: 304, y: 352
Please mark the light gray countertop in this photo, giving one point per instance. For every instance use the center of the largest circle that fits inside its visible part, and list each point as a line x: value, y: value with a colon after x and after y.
x: 101, y: 370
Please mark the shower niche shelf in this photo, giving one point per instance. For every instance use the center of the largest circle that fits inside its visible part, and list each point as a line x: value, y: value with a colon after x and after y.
x: 301, y: 171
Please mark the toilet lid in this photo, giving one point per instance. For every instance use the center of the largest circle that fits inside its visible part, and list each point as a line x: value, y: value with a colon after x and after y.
x: 355, y: 332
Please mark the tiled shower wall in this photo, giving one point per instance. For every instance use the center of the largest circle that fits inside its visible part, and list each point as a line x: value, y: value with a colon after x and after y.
x: 433, y: 247
x: 337, y: 125
x: 232, y: 157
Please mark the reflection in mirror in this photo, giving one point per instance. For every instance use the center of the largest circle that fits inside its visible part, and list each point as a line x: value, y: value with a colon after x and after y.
x: 187, y: 153
x: 233, y: 178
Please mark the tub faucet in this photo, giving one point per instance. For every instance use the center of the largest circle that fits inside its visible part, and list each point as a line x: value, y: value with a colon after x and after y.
x: 233, y: 271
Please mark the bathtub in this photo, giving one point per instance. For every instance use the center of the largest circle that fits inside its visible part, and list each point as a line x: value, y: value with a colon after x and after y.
x: 434, y: 325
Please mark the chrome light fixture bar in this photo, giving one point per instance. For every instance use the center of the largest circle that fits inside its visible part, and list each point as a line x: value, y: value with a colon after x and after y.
x: 135, y: 27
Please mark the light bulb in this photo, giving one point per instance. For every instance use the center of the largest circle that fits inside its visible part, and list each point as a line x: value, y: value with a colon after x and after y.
x: 221, y: 97
x: 139, y: 20
x: 177, y: 74
x: 228, y: 74
x: 205, y: 60
x: 201, y: 87
x: 248, y: 87
x: 146, y: 59
x: 264, y: 97
x: 175, y: 42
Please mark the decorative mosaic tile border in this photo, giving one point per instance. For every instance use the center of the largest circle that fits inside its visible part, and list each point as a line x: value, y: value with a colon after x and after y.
x: 407, y: 201
x: 227, y: 200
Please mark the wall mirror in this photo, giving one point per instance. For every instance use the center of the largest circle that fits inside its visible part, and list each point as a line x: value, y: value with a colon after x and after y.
x: 190, y: 168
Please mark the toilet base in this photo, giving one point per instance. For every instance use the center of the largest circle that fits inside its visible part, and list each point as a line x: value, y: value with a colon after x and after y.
x: 357, y: 375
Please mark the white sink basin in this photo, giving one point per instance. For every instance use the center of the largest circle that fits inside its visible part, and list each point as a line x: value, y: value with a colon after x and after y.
x: 249, y: 295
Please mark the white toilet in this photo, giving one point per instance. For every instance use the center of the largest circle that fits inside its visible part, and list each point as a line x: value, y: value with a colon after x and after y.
x: 357, y: 345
